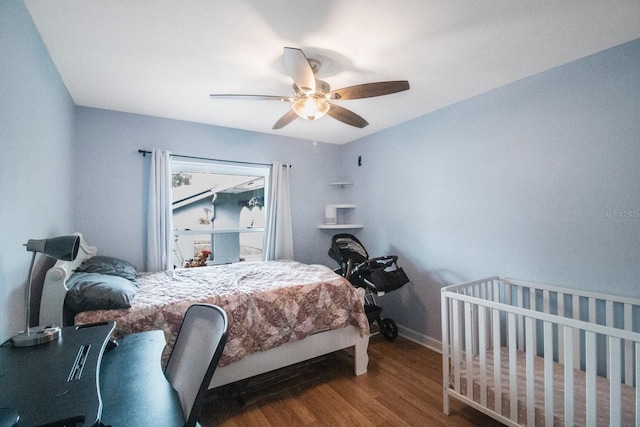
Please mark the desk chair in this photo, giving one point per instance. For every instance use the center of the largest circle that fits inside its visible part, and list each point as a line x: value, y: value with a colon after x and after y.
x: 195, y: 356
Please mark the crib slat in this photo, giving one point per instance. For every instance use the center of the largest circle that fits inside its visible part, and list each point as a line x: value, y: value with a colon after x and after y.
x: 533, y: 303
x: 490, y: 297
x: 575, y: 309
x: 637, y: 383
x: 534, y: 306
x: 546, y: 298
x: 446, y: 351
x: 614, y: 383
x: 561, y: 330
x: 497, y: 374
x: 548, y: 373
x: 568, y: 379
x: 530, y: 373
x: 592, y: 310
x: 628, y: 346
x: 546, y: 303
x: 496, y: 291
x: 507, y: 294
x: 520, y: 303
x: 468, y: 348
x: 474, y: 322
x: 482, y: 337
x: 608, y: 313
x: 590, y: 389
x: 513, y: 368
x: 457, y: 347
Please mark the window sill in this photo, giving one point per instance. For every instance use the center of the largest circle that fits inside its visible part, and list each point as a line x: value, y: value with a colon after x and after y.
x: 220, y: 231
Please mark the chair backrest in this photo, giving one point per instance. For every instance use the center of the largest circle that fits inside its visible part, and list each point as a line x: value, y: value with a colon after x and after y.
x: 195, y: 356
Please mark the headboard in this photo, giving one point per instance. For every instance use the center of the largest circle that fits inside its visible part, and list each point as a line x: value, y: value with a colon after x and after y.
x: 54, y: 288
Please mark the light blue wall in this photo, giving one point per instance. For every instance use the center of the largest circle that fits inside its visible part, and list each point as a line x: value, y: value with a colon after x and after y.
x: 111, y: 196
x: 538, y: 180
x: 36, y: 142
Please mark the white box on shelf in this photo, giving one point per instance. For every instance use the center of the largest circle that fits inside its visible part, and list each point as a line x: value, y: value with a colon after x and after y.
x: 330, y: 215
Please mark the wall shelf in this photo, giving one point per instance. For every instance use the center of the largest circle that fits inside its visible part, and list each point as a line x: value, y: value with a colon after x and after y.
x: 338, y: 226
x: 341, y: 184
x: 343, y: 206
x: 333, y: 212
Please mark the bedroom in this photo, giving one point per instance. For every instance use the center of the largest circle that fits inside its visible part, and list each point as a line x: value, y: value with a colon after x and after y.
x: 535, y: 180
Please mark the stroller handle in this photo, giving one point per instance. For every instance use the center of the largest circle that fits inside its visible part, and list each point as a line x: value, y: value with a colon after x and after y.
x: 386, y: 261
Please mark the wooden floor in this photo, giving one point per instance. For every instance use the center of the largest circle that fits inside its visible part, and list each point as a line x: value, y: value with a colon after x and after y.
x: 403, y: 387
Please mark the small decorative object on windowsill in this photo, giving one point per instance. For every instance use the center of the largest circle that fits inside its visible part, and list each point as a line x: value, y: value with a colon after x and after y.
x: 199, y: 260
x: 63, y: 248
x: 252, y: 203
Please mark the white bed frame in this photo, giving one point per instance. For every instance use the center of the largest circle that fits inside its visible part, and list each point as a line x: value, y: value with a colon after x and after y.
x: 348, y: 338
x: 564, y: 356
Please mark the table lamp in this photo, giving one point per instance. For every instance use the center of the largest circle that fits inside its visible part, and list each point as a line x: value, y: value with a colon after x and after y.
x: 63, y: 248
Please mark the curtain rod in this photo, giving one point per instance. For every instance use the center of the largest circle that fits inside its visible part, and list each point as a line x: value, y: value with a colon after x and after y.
x: 145, y: 152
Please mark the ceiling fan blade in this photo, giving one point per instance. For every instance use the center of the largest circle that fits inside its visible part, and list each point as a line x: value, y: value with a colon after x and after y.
x: 285, y: 120
x: 346, y: 116
x: 369, y: 90
x: 253, y: 97
x: 299, y: 69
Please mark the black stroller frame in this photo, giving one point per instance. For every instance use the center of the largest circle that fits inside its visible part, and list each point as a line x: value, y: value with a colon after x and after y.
x: 376, y: 275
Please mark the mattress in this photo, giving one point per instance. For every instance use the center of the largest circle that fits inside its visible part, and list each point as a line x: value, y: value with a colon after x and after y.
x: 602, y: 387
x: 268, y: 304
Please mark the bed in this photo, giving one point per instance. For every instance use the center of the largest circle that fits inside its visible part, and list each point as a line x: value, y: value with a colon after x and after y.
x: 530, y: 354
x: 281, y: 312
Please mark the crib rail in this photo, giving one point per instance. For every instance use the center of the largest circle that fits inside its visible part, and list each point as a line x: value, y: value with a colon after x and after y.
x: 490, y: 325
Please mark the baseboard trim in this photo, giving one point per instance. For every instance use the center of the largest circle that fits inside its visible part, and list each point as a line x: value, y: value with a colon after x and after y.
x: 421, y: 339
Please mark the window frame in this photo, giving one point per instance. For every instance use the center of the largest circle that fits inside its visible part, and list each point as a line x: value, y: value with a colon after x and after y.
x: 225, y: 168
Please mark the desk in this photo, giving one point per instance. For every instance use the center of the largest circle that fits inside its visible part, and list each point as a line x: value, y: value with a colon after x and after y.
x: 37, y: 382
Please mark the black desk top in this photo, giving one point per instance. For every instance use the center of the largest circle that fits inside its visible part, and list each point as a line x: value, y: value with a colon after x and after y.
x: 34, y: 381
x: 55, y: 383
x: 134, y: 388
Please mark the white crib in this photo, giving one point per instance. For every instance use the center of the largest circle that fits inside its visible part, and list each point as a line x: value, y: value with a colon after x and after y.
x: 529, y: 354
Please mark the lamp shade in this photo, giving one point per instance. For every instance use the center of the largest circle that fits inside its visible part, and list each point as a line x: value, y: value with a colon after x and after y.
x: 311, y: 108
x: 61, y: 247
x: 64, y: 248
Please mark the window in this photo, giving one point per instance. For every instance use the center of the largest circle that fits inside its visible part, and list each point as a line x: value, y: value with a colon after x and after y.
x: 218, y: 212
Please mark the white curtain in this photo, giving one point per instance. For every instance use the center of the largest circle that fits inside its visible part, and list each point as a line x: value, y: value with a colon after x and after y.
x: 159, y: 223
x: 279, y: 234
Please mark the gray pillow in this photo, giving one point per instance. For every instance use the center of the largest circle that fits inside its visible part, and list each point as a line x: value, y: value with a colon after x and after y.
x: 94, y: 291
x: 108, y: 265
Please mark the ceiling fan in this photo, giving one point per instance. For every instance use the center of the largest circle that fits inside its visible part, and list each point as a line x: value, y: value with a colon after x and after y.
x: 312, y: 96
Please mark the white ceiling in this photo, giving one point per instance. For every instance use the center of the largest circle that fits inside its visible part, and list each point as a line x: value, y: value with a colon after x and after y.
x: 164, y: 57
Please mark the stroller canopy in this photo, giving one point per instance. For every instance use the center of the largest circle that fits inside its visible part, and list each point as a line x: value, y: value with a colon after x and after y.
x: 345, y: 247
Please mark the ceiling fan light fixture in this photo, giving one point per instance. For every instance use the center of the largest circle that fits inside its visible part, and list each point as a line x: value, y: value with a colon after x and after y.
x: 312, y: 96
x: 311, y: 108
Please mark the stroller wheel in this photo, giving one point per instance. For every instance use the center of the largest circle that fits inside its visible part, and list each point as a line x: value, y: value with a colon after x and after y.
x: 389, y: 329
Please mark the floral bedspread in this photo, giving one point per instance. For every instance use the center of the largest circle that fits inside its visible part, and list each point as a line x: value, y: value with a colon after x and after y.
x: 267, y: 303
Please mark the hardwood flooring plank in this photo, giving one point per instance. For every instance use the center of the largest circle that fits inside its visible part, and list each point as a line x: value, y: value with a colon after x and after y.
x: 363, y: 400
x: 403, y: 387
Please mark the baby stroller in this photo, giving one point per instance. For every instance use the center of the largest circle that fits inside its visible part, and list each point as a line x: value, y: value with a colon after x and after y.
x: 376, y: 275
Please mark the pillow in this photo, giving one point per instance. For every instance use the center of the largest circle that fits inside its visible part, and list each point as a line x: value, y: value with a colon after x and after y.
x: 94, y: 291
x: 108, y: 265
